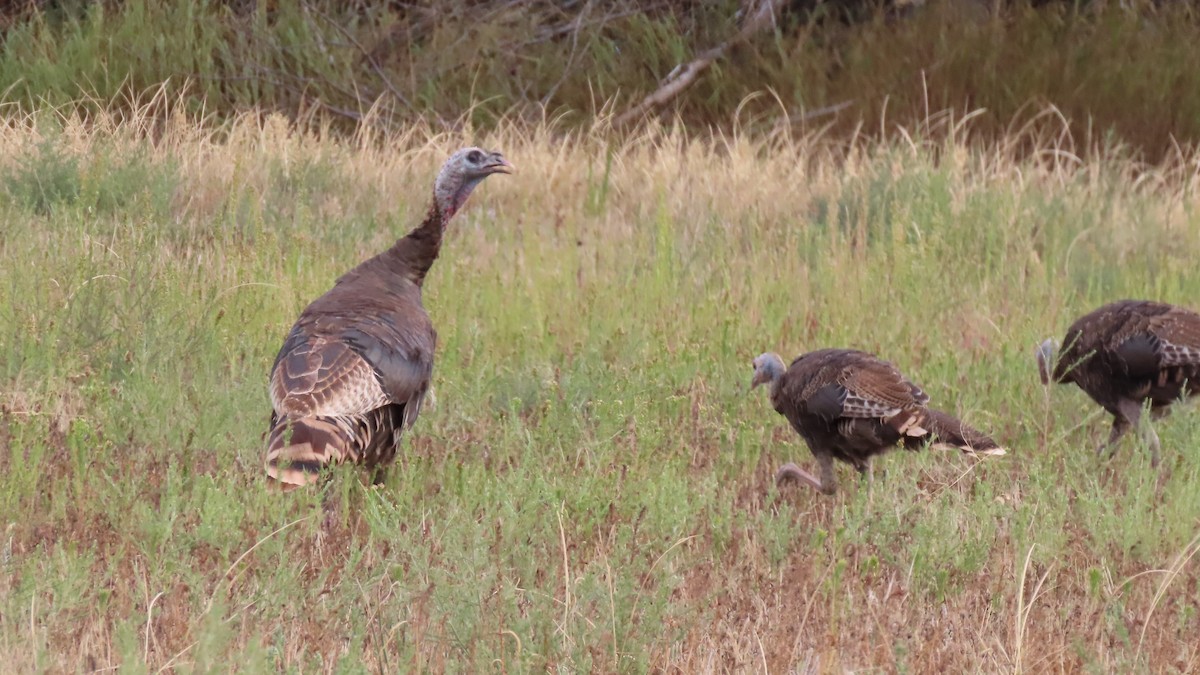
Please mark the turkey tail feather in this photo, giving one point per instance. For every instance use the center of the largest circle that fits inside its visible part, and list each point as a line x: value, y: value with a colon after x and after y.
x: 949, y: 431
x: 297, y: 449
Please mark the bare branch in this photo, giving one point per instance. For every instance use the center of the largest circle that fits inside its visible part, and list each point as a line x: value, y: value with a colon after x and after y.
x: 368, y: 57
x: 683, y: 75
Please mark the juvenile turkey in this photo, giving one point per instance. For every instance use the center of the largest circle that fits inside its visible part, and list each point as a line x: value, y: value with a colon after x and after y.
x: 1124, y: 354
x: 850, y: 406
x: 355, y: 367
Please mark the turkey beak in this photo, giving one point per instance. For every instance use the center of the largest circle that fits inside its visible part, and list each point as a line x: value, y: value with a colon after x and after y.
x: 498, y: 164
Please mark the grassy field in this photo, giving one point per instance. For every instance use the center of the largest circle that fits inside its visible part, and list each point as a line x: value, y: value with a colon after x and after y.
x: 591, y: 488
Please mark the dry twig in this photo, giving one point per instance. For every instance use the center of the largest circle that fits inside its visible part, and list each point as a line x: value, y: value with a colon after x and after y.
x: 684, y: 74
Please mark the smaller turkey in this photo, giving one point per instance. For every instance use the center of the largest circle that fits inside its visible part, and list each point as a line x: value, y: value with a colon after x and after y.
x: 850, y: 406
x: 1124, y: 354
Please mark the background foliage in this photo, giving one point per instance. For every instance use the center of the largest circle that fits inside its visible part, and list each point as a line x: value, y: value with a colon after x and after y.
x: 1119, y: 73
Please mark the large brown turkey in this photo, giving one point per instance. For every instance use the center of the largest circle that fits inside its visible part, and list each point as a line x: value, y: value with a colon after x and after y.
x: 355, y: 367
x: 850, y: 406
x: 1124, y: 354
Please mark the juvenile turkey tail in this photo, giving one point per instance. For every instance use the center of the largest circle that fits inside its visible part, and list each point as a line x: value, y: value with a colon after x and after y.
x: 298, y: 448
x: 950, y: 432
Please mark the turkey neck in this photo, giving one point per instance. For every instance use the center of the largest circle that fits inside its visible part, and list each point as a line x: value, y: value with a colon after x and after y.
x: 775, y: 384
x: 415, y: 252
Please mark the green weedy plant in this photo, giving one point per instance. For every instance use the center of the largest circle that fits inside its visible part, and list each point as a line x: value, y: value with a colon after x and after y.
x: 47, y: 178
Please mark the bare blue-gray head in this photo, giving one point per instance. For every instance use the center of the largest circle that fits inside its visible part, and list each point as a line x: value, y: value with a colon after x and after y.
x: 461, y: 173
x: 768, y: 368
x: 1045, y: 359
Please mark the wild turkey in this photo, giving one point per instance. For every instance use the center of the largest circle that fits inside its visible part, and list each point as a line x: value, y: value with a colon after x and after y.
x: 1124, y: 354
x: 355, y: 367
x: 850, y: 406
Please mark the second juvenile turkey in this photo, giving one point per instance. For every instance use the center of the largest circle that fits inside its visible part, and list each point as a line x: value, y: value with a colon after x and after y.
x: 850, y: 406
x: 1125, y: 353
x: 354, y: 369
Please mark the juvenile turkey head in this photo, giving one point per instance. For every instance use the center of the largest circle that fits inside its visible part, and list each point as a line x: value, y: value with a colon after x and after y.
x: 1045, y: 359
x: 461, y: 173
x: 768, y: 367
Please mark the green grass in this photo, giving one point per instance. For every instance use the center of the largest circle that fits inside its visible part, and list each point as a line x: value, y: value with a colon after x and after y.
x: 591, y: 487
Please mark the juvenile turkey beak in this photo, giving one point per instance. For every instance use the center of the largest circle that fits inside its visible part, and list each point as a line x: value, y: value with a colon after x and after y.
x: 756, y: 380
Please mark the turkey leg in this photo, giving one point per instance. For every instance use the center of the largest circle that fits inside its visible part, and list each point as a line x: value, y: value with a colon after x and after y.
x: 1119, y: 427
x: 1133, y: 412
x: 1129, y: 414
x: 792, y: 472
x: 827, y: 484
